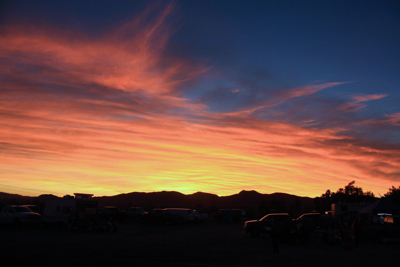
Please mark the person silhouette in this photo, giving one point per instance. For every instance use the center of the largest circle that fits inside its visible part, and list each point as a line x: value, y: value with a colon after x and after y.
x: 274, y: 236
x: 357, y: 228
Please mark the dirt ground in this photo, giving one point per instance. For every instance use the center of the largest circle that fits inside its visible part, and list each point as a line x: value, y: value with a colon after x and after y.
x: 207, y: 244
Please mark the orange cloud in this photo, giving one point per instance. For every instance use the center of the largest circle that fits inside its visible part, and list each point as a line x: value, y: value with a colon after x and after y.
x: 103, y: 116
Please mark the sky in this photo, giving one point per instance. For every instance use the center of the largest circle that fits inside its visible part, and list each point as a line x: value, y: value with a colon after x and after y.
x: 111, y: 97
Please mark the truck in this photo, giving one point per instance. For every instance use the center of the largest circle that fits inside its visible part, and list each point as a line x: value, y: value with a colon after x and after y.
x: 80, y: 210
x: 159, y: 216
x: 19, y: 215
x: 111, y: 213
x: 183, y: 215
x: 188, y: 215
x: 264, y: 225
x: 172, y: 216
x: 135, y: 212
x: 229, y: 215
x: 200, y: 217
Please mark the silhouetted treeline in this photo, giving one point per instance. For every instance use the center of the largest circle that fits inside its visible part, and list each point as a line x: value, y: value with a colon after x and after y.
x: 393, y: 194
x: 350, y: 194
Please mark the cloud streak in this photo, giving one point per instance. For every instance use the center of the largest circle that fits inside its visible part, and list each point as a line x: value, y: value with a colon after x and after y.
x: 355, y: 105
x: 106, y: 115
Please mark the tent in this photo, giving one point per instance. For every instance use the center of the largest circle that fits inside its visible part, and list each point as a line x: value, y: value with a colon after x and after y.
x: 382, y: 205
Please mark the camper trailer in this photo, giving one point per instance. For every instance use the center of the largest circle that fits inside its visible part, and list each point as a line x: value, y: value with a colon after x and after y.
x: 345, y: 209
x: 79, y: 209
x: 185, y: 215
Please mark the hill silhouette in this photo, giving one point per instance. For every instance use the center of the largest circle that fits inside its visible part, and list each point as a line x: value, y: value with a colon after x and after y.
x: 255, y: 204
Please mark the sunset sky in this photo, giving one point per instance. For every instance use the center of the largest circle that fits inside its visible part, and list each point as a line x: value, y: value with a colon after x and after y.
x: 110, y: 97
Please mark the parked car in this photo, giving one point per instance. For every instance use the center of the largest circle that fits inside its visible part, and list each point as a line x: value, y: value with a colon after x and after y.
x: 316, y: 220
x: 264, y: 225
x: 135, y: 212
x: 200, y: 217
x: 160, y: 216
x: 33, y: 208
x: 229, y: 215
x: 182, y: 214
x: 19, y: 215
x: 112, y: 213
x: 239, y: 215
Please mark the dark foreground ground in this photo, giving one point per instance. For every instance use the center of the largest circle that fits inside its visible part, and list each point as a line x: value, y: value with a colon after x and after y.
x: 208, y: 244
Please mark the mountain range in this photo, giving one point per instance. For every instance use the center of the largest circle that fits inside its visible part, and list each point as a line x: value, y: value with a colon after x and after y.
x: 253, y: 202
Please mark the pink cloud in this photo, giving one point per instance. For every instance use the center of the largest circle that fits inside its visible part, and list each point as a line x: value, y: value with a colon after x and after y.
x: 103, y: 114
x: 388, y: 119
x: 355, y: 105
x: 286, y: 95
x: 351, y: 107
x: 393, y: 119
x: 308, y: 90
x: 364, y: 98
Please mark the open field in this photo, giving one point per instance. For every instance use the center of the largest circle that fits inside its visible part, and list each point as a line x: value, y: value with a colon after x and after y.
x: 208, y: 244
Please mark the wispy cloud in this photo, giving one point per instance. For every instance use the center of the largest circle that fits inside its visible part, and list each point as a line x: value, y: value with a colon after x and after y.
x: 387, y: 119
x: 106, y: 115
x: 364, y: 98
x: 355, y: 104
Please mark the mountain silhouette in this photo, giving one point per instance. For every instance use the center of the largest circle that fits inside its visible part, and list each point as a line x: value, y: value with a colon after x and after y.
x: 255, y: 204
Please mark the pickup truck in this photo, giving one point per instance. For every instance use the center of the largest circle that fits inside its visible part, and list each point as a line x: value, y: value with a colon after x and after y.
x: 198, y: 217
x: 316, y: 220
x: 135, y: 212
x: 160, y: 216
x: 17, y: 215
x: 112, y: 213
x: 264, y: 225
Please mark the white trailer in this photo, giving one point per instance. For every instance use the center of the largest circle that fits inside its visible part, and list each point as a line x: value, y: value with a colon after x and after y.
x: 61, y: 211
x: 186, y: 215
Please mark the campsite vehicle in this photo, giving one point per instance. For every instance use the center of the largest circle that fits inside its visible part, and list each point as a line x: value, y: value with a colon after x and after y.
x: 183, y: 215
x: 80, y: 211
x: 172, y: 216
x: 229, y: 215
x: 199, y: 217
x: 316, y: 220
x: 378, y: 222
x: 386, y: 232
x: 160, y: 216
x: 111, y: 213
x: 239, y: 215
x: 135, y: 212
x: 263, y: 225
x: 18, y: 215
x: 33, y: 208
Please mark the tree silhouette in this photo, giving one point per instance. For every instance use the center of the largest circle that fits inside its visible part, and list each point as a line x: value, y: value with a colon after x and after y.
x: 393, y: 194
x: 350, y: 194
